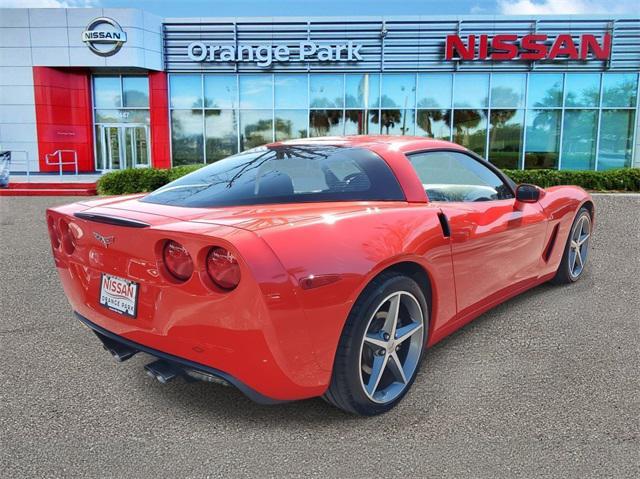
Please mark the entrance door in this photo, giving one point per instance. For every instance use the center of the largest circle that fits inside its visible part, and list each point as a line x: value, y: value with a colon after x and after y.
x: 122, y: 146
x: 136, y: 146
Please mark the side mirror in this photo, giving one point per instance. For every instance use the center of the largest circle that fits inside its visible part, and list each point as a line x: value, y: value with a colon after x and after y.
x: 528, y: 193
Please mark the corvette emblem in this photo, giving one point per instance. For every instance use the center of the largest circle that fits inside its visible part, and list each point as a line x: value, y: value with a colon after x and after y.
x: 105, y: 240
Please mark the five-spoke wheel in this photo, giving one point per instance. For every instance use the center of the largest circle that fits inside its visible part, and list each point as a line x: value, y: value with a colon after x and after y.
x: 391, y: 346
x: 579, y: 246
x: 381, y: 346
x: 574, y: 258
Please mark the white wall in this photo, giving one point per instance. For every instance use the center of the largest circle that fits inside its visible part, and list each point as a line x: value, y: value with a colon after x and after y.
x: 17, y: 110
x: 53, y: 37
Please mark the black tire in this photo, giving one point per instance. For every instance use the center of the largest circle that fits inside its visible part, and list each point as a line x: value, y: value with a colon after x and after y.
x: 564, y: 273
x: 346, y: 390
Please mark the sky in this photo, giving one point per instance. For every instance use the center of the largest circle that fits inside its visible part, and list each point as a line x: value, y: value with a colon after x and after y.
x: 226, y: 8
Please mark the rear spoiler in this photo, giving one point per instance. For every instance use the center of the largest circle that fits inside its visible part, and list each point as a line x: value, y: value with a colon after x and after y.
x: 111, y: 220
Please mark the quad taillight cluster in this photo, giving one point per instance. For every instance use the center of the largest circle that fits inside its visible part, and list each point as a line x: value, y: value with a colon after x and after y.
x: 221, y: 265
x: 61, y: 235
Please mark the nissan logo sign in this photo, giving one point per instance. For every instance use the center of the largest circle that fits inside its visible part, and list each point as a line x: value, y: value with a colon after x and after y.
x: 104, y: 37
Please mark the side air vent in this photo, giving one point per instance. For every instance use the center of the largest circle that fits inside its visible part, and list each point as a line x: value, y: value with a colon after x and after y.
x: 111, y: 220
x: 444, y: 224
x: 552, y: 241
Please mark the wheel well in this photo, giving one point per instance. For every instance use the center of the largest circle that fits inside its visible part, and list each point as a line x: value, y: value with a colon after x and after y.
x: 418, y: 274
x: 589, y: 206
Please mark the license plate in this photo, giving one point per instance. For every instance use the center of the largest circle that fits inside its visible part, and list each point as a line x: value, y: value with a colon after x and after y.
x: 119, y: 295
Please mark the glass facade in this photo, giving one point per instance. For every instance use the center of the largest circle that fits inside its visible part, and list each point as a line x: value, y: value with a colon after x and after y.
x: 121, y: 121
x: 515, y: 120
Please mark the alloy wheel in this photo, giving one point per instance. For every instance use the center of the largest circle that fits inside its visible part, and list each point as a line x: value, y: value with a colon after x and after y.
x: 391, y: 347
x: 579, y: 246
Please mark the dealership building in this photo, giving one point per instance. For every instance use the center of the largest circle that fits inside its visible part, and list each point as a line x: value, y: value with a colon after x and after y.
x: 104, y: 89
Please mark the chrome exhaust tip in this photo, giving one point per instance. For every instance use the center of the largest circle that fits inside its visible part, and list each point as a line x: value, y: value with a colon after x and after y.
x: 119, y: 351
x: 163, y: 371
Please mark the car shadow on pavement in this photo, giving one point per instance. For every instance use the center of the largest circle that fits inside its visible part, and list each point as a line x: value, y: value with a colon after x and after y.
x: 215, y: 402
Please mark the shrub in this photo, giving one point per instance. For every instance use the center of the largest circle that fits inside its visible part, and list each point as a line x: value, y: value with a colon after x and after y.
x: 140, y: 180
x: 623, y: 179
x: 178, y: 171
x: 143, y: 180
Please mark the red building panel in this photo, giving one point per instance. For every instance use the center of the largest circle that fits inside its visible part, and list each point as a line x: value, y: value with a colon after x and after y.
x: 159, y: 117
x: 63, y: 115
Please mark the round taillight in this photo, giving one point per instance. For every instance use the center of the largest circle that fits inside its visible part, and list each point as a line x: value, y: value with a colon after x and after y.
x: 177, y: 260
x: 66, y: 238
x: 223, y: 268
x: 54, y: 233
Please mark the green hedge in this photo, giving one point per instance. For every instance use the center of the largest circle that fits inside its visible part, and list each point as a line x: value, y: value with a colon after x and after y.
x: 623, y: 179
x: 148, y: 179
x: 140, y: 180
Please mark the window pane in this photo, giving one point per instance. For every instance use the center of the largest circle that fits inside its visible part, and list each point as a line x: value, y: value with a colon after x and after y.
x: 291, y: 91
x: 136, y: 91
x: 398, y: 91
x: 434, y: 124
x: 505, y: 138
x: 221, y: 129
x: 256, y: 128
x: 327, y: 91
x: 620, y: 89
x: 220, y: 91
x: 291, y: 124
x: 256, y: 91
x: 543, y: 139
x: 434, y: 90
x: 101, y: 161
x: 470, y: 129
x: 583, y: 89
x: 186, y: 137
x: 545, y: 90
x: 106, y: 91
x: 326, y: 123
x: 362, y: 90
x: 122, y: 116
x: 507, y: 90
x: 186, y: 91
x: 579, y: 140
x: 471, y: 90
x: 398, y: 122
x: 616, y: 139
x: 285, y: 174
x: 361, y: 122
x: 452, y: 176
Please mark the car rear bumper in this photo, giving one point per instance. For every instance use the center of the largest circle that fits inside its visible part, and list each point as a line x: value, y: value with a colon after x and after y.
x: 179, y: 364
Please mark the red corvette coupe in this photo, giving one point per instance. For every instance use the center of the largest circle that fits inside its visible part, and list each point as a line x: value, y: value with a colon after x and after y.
x: 316, y: 267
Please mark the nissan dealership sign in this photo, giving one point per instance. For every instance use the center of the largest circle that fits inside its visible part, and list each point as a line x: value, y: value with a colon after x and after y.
x: 104, y: 36
x: 265, y: 55
x: 528, y: 47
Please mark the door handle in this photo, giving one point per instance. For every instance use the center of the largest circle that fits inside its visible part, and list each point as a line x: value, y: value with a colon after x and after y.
x: 444, y: 224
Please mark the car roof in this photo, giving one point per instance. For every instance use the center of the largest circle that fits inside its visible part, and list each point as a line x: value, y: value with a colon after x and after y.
x: 378, y: 143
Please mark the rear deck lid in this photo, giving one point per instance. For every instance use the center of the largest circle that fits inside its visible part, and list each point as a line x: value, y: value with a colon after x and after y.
x: 252, y: 218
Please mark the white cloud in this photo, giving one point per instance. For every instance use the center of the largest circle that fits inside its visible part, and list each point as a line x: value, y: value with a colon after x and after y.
x: 557, y: 7
x: 478, y: 10
x: 47, y: 3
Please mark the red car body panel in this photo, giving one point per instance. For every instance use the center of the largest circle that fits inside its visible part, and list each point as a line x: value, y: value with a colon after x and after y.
x: 274, y: 335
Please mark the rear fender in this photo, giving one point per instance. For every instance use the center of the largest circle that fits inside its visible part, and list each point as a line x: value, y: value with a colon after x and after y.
x: 355, y: 248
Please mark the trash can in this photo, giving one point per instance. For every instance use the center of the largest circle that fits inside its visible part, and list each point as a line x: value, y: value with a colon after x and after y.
x: 5, y: 166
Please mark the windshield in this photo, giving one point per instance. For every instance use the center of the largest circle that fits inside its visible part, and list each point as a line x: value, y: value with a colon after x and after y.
x: 285, y: 174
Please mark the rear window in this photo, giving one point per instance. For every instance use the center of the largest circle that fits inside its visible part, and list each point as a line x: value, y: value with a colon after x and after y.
x: 285, y: 174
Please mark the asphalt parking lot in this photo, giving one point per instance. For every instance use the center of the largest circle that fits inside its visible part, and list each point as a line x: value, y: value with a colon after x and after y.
x: 547, y: 384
